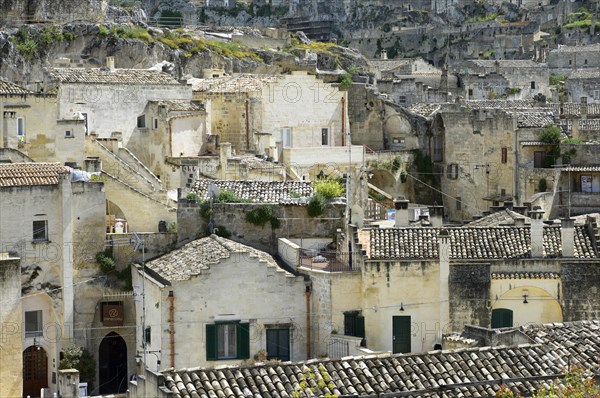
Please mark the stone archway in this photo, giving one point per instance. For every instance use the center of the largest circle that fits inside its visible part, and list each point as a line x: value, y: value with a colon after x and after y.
x: 35, y: 371
x: 112, y: 364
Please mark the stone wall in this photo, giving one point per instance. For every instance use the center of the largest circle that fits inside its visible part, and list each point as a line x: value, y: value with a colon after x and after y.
x: 580, y: 290
x: 469, y: 287
x: 11, y: 356
x: 295, y: 223
x: 60, y: 11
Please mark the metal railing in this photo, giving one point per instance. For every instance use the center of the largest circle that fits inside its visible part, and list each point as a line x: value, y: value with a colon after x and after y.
x: 327, y: 261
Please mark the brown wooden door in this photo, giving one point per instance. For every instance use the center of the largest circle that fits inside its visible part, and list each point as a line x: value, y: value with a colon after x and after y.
x: 35, y: 371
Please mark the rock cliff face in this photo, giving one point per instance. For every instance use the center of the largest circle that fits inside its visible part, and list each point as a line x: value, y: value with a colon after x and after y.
x: 59, y: 10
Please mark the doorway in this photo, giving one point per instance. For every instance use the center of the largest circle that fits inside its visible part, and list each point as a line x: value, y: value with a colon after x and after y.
x: 35, y: 371
x: 401, y: 334
x: 112, y: 364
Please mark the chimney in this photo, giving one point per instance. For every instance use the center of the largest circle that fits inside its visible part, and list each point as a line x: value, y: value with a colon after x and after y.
x: 520, y: 222
x: 583, y: 108
x: 383, y: 54
x: 537, y: 232
x: 436, y: 216
x: 110, y: 63
x: 224, y: 156
x: 444, y: 250
x: 509, y: 204
x: 567, y: 234
x: 401, y: 206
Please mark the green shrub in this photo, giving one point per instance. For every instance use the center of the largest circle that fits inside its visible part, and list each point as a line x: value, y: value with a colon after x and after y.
x: 103, y: 31
x: 345, y: 81
x: 396, y: 164
x: 329, y: 189
x: 82, y: 360
x: 193, y: 197
x: 403, y: 176
x: 106, y: 262
x: 51, y: 35
x: 260, y: 216
x: 227, y: 196
x: 316, y: 205
x: 551, y: 135
x: 169, y: 42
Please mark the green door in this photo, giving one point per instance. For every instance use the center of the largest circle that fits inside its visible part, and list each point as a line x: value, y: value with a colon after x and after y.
x: 502, y: 318
x: 401, y: 334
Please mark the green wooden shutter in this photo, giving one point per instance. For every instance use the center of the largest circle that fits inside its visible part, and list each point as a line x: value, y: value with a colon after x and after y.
x: 359, y: 328
x: 502, y: 318
x: 243, y: 340
x: 211, y: 342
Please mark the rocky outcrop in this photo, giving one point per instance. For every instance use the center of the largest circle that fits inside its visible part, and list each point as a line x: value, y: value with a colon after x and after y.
x: 60, y: 11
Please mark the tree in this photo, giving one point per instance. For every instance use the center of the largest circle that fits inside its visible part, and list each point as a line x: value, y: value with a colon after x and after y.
x: 79, y: 358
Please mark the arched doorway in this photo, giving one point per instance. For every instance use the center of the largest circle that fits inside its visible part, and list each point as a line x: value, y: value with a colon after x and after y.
x: 112, y: 361
x: 35, y: 371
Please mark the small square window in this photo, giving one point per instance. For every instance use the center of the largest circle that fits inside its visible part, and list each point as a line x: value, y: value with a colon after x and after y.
x: 33, y: 324
x: 68, y: 134
x: 141, y: 122
x: 533, y: 85
x: 40, y: 231
x: 148, y: 335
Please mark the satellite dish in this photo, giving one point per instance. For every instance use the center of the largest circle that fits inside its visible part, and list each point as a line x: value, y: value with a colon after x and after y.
x: 213, y: 191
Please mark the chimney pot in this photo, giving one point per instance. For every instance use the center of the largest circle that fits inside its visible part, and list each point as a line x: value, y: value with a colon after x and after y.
x: 537, y: 233
x: 567, y: 234
x: 401, y: 206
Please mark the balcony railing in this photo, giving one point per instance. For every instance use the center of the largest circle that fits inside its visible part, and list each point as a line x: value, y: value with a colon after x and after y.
x: 326, y: 261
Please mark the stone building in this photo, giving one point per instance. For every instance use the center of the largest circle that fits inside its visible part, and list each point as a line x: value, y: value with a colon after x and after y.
x: 55, y: 226
x: 567, y: 58
x: 11, y: 354
x: 494, y: 276
x: 583, y: 86
x: 194, y: 316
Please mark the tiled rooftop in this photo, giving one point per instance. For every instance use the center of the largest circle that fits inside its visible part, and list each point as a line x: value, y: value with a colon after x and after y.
x: 470, y: 243
x: 534, y: 119
x: 525, y: 275
x: 502, y: 104
x: 591, y: 73
x: 578, y: 49
x: 240, y: 83
x: 115, y: 76
x: 499, y: 218
x: 197, y: 256
x: 8, y: 88
x: 422, y: 374
x: 573, y: 109
x: 507, y: 63
x: 589, y: 124
x: 182, y: 105
x: 30, y: 174
x: 423, y: 109
x: 283, y: 192
x: 595, y: 168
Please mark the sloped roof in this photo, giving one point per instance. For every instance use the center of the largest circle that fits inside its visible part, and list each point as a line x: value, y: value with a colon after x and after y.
x: 181, y: 105
x: 423, y: 109
x: 239, y: 83
x: 114, y: 76
x: 470, y: 243
x: 423, y: 374
x: 573, y: 109
x: 534, y: 119
x: 505, y: 63
x: 577, y: 49
x: 591, y: 73
x: 501, y: 104
x: 9, y: 88
x: 283, y: 192
x: 31, y: 174
x: 197, y: 256
x: 499, y: 218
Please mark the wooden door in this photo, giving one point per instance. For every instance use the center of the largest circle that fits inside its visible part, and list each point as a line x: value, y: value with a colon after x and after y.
x: 401, y: 334
x: 502, y: 318
x: 35, y: 371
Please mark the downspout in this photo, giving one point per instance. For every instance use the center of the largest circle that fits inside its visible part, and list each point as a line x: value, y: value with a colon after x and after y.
x: 308, y: 326
x: 172, y: 328
x: 247, y: 103
x: 170, y: 127
x: 344, y: 121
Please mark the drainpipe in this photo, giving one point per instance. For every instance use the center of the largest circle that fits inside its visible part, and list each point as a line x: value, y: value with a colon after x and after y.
x: 247, y: 103
x: 308, y: 326
x: 171, y: 136
x: 343, y: 121
x: 172, y: 327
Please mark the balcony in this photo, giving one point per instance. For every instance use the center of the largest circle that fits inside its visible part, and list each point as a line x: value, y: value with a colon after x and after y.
x: 326, y: 261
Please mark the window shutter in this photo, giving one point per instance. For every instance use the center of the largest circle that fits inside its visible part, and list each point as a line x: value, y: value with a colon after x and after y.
x: 243, y: 340
x: 211, y: 342
x: 359, y: 330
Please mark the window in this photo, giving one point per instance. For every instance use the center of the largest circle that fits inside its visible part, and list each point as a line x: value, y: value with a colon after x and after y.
x: 452, y: 171
x: 33, y: 324
x: 596, y: 94
x: 286, y: 137
x: 570, y: 62
x: 324, y: 136
x: 504, y: 154
x: 354, y: 324
x: 470, y: 92
x: 402, y: 99
x: 68, y: 134
x: 155, y: 123
x: 458, y: 203
x: 502, y: 318
x: 438, y: 152
x: 141, y: 122
x: 278, y: 344
x: 20, y: 127
x: 585, y: 61
x: 539, y: 159
x: 148, y: 335
x: 40, y: 230
x: 533, y: 85
x: 229, y: 340
x: 85, y: 121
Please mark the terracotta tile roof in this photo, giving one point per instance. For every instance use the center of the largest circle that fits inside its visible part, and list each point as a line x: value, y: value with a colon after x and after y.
x: 534, y: 119
x: 8, y: 88
x: 502, y: 104
x: 572, y: 109
x: 115, y: 76
x: 181, y: 105
x: 283, y: 192
x: 423, y: 109
x: 534, y: 143
x: 525, y: 275
x: 30, y: 174
x: 499, y: 218
x: 240, y: 83
x: 424, y: 374
x: 197, y: 256
x: 590, y: 168
x: 577, y: 49
x: 470, y: 243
